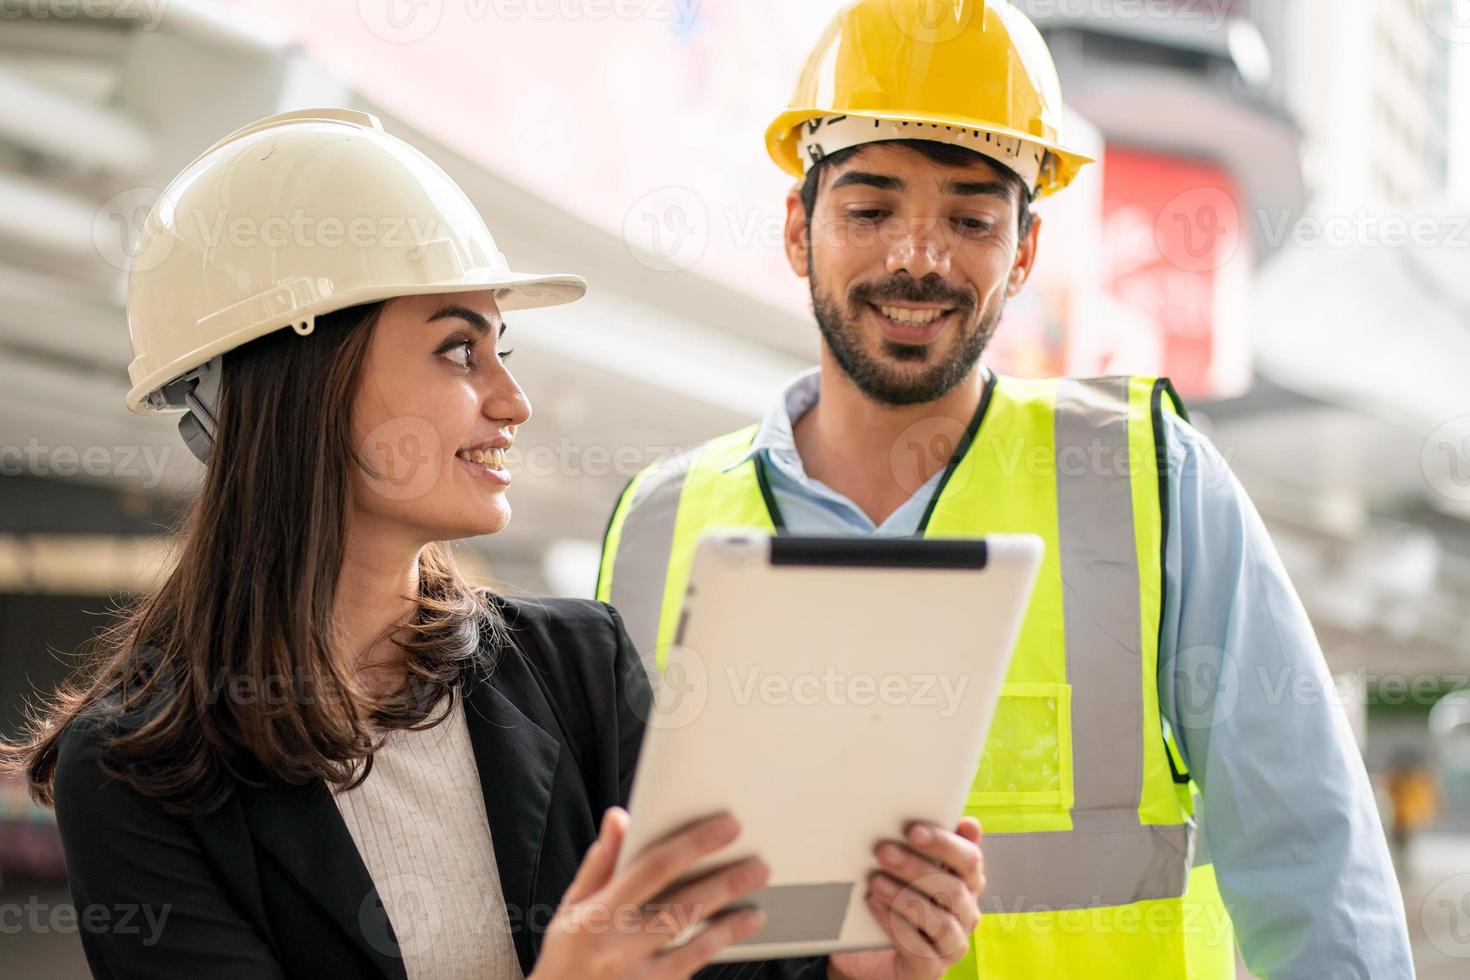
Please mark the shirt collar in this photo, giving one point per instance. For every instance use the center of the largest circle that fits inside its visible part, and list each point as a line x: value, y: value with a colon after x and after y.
x: 777, y: 431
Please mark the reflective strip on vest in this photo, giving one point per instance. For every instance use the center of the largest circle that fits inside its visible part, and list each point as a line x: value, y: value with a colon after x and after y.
x: 1108, y: 858
x: 645, y: 527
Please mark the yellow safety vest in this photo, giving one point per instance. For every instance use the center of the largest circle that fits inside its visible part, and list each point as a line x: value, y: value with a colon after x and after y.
x: 1090, y: 834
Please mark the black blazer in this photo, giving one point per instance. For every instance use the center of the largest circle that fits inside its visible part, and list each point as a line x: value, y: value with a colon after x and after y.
x: 272, y: 885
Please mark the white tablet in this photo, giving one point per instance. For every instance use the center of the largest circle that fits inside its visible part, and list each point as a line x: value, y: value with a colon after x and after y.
x: 827, y: 691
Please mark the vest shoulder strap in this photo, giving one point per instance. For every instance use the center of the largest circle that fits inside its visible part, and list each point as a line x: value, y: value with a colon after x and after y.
x: 640, y: 535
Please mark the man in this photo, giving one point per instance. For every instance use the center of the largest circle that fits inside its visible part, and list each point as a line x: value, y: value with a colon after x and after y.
x: 1144, y: 702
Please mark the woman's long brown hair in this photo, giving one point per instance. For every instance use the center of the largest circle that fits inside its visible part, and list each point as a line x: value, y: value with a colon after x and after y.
x: 227, y: 673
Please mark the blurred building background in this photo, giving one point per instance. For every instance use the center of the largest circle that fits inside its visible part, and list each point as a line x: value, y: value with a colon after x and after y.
x: 1273, y: 223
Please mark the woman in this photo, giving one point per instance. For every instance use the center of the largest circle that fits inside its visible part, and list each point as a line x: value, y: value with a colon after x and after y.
x: 316, y: 751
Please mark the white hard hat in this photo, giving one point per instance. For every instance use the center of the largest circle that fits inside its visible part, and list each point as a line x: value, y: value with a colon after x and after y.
x: 297, y: 215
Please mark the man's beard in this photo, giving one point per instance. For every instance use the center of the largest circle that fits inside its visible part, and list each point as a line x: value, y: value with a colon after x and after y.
x: 876, y: 379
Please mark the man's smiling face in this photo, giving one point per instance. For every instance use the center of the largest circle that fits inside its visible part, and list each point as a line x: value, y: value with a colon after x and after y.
x: 911, y: 253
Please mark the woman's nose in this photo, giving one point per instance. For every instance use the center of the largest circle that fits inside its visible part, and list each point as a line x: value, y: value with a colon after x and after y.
x: 506, y: 402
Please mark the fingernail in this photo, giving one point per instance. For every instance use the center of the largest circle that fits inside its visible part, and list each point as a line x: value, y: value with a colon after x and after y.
x: 921, y: 834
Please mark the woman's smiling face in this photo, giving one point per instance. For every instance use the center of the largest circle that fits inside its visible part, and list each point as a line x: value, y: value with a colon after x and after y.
x: 434, y: 413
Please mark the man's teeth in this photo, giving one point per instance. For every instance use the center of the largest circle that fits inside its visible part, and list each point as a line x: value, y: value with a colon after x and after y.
x: 919, y: 317
x: 494, y: 458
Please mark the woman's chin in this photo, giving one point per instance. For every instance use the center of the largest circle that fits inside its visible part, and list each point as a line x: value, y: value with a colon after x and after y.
x: 466, y: 519
x: 492, y: 521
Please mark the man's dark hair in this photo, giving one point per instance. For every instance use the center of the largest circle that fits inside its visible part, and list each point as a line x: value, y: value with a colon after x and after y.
x: 944, y: 154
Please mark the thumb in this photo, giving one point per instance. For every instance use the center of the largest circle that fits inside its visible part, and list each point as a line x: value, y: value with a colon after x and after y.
x: 597, y: 866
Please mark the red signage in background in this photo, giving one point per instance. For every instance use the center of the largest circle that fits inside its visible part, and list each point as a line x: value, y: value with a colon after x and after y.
x: 1144, y: 267
x: 1178, y: 254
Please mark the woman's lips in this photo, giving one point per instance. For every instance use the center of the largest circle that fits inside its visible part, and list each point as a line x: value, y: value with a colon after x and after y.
x: 486, y: 465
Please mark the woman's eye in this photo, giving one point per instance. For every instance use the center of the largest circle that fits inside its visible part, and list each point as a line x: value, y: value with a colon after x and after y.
x: 504, y: 354
x: 461, y: 353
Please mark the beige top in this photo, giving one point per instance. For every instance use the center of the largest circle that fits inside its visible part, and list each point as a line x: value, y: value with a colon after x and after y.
x: 419, y: 823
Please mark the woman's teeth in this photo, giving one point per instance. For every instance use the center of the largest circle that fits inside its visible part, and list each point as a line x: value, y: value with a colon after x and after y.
x: 494, y: 459
x: 918, y: 317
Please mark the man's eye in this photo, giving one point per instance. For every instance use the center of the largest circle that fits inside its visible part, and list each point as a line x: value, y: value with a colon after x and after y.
x: 868, y: 214
x: 973, y: 224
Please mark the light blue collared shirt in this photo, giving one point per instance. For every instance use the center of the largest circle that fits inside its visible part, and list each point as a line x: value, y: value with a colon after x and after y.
x: 1289, y: 818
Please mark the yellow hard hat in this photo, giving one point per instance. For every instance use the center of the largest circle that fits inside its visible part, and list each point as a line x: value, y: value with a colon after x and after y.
x: 972, y: 72
x: 294, y: 216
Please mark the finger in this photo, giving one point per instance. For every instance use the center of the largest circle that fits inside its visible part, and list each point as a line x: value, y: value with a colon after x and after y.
x: 600, y: 859
x: 959, y: 855
x: 685, y: 959
x: 951, y: 892
x: 933, y: 919
x: 703, y: 899
x: 969, y: 828
x: 942, y: 932
x: 910, y: 942
x: 655, y: 869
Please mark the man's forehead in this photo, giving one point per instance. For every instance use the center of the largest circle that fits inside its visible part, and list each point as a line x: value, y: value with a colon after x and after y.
x: 902, y: 160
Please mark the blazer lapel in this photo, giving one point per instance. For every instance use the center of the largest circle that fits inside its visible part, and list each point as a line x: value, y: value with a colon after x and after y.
x: 301, y: 827
x: 517, y: 762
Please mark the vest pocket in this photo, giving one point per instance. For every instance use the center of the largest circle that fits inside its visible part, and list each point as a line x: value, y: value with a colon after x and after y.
x: 1028, y: 753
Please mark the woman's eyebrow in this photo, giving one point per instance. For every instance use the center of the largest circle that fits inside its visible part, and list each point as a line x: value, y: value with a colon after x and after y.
x: 479, y: 321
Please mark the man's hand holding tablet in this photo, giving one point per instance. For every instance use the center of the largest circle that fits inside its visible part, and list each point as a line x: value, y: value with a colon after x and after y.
x: 926, y: 897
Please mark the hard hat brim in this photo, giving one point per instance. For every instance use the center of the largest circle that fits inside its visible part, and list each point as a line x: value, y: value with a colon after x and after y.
x: 781, y: 141
x: 520, y: 291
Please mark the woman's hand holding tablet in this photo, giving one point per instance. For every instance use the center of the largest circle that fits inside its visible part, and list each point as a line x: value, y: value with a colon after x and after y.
x: 609, y: 928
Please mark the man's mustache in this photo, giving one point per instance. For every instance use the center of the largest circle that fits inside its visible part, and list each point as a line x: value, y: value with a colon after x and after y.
x: 905, y: 289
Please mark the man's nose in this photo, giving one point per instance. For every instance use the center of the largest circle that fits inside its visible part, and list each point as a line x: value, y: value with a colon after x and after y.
x: 920, y: 252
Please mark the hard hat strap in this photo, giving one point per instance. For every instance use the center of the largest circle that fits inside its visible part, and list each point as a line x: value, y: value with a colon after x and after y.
x: 198, y: 391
